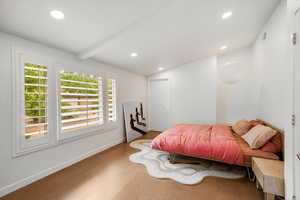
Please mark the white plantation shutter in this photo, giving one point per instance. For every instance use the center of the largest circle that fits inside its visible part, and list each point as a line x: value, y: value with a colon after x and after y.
x: 35, y: 100
x: 111, y: 100
x: 81, y: 101
x: 83, y: 104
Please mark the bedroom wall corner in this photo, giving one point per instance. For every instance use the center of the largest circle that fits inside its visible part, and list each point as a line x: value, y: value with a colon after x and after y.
x: 192, y: 92
x: 235, y: 91
x: 269, y: 60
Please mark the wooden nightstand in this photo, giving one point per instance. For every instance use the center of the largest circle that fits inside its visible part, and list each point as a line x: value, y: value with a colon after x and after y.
x: 270, y: 176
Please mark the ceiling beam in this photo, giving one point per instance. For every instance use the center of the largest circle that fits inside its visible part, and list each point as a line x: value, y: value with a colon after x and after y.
x: 94, y: 49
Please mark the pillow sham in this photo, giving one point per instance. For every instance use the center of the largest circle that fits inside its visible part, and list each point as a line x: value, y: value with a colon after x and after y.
x: 258, y: 136
x: 241, y: 127
x: 274, y: 145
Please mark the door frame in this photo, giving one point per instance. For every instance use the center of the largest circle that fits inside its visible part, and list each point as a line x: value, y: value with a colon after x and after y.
x: 289, y: 141
x: 149, y: 95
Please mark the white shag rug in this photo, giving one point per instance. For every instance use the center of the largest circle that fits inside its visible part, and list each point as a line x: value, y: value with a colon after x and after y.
x: 158, y: 166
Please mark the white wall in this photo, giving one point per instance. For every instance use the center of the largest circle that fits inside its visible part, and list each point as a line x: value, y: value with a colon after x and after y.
x: 16, y: 172
x: 235, y: 92
x: 192, y: 92
x: 270, y: 62
x: 251, y: 80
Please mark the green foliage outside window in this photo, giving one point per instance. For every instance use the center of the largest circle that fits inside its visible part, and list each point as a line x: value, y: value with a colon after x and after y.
x: 35, y: 90
x: 73, y: 76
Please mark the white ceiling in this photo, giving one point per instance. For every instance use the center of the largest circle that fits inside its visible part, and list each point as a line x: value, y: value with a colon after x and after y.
x: 165, y: 33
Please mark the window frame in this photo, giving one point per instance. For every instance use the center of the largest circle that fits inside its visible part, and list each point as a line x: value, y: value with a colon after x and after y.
x: 21, y: 145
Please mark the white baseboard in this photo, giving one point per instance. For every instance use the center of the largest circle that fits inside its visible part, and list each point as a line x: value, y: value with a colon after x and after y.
x: 26, y: 181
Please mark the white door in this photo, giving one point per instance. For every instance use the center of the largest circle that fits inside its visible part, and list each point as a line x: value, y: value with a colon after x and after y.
x: 159, y: 104
x: 297, y: 110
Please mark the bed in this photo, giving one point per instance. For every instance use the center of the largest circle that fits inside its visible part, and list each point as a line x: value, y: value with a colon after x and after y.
x: 216, y: 142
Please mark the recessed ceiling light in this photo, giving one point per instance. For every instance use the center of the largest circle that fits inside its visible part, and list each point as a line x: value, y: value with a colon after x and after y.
x: 133, y: 55
x: 226, y: 15
x: 56, y: 14
x: 223, y: 47
x: 161, y: 68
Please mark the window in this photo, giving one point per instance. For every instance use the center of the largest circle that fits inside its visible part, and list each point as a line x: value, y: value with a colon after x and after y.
x: 81, y: 101
x: 35, y: 100
x: 111, y: 100
x: 82, y: 104
x: 30, y: 103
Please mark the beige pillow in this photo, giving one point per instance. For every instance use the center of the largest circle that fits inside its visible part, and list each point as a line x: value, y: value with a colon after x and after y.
x: 258, y: 136
x: 241, y: 127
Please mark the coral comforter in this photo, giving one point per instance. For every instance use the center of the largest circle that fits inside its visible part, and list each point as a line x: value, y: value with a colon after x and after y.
x: 211, y: 142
